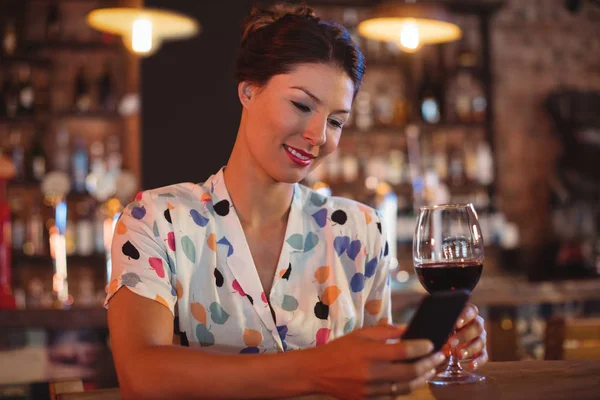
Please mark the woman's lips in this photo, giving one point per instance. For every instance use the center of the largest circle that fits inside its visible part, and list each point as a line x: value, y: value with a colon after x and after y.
x: 298, y: 156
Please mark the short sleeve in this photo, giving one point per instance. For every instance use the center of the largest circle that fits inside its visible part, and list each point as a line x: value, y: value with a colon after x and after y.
x: 378, y: 302
x: 138, y: 255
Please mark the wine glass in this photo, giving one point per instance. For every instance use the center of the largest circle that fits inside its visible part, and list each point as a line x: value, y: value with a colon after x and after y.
x: 448, y: 255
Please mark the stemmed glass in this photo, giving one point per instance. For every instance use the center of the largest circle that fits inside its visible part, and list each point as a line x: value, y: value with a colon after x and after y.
x: 448, y: 255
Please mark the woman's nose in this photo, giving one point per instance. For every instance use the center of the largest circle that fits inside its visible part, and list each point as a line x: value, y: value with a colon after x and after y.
x: 316, y: 132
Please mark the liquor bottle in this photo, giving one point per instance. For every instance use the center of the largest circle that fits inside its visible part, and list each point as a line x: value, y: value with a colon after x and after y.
x: 430, y: 97
x: 80, y: 165
x: 107, y: 99
x: 37, y: 158
x: 82, y: 98
x: 53, y: 22
x: 9, y: 39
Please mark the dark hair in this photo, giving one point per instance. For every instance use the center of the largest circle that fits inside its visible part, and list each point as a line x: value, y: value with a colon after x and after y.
x: 277, y: 38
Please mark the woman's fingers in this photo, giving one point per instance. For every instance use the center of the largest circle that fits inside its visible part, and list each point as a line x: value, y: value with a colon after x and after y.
x: 473, y: 348
x: 403, y: 350
x: 405, y: 372
x: 394, y: 389
x: 469, y: 313
x: 480, y: 360
x: 469, y: 332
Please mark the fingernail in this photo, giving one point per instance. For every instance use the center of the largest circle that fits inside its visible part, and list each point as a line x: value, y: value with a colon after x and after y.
x: 440, y: 357
x: 474, y: 364
x: 464, y: 353
x: 461, y: 322
x: 453, y: 342
x: 432, y: 372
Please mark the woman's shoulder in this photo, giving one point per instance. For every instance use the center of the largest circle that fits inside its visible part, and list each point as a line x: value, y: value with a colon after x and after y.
x: 175, y: 194
x: 340, y: 210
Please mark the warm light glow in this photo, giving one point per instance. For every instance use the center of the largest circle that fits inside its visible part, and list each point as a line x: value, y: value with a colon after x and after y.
x: 409, y: 36
x: 409, y: 33
x: 141, y: 36
x: 143, y: 29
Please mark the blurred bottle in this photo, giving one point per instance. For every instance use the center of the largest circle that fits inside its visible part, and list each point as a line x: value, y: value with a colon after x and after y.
x: 485, y: 164
x: 80, y: 165
x: 363, y: 112
x: 114, y: 158
x: 35, y: 243
x: 71, y: 239
x: 430, y: 96
x: 11, y: 95
x: 82, y: 98
x: 85, y: 231
x: 37, y: 157
x: 457, y: 168
x: 62, y: 157
x: 18, y: 225
x: 26, y: 96
x: 384, y: 106
x: 9, y: 38
x: 18, y: 154
x: 107, y: 97
x: 53, y: 22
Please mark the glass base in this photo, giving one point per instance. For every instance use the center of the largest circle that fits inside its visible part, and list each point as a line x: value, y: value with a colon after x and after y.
x: 453, y: 378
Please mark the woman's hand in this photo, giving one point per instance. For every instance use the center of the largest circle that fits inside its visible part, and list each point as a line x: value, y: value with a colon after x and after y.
x: 365, y: 363
x: 470, y: 338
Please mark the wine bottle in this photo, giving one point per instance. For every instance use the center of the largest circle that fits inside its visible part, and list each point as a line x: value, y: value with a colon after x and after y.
x: 53, y: 22
x: 106, y: 90
x: 26, y: 100
x: 37, y: 159
x: 82, y: 99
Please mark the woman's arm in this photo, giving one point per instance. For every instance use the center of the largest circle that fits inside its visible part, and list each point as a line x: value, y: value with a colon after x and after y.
x: 149, y: 367
x: 356, y: 366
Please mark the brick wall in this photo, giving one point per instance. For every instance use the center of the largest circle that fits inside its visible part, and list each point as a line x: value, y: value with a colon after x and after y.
x: 538, y: 47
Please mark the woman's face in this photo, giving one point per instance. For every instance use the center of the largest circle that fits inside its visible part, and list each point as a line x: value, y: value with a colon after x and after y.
x: 295, y: 120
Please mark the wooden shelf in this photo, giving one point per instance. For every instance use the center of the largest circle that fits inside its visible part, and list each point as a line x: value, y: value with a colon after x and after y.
x: 74, y: 318
x: 424, y: 127
x: 61, y: 115
x: 73, y: 45
x: 19, y: 259
x: 38, y: 62
x: 95, y: 115
x: 24, y: 120
x: 403, y: 189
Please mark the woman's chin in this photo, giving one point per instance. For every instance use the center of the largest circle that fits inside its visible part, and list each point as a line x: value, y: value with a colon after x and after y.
x: 289, y: 175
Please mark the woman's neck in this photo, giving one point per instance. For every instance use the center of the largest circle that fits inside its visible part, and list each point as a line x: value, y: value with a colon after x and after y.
x: 259, y: 200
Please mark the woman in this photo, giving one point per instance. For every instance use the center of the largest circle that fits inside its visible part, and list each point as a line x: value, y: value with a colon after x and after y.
x: 252, y: 262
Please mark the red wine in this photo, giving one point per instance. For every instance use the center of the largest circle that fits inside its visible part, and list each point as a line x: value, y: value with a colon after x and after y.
x: 449, y: 276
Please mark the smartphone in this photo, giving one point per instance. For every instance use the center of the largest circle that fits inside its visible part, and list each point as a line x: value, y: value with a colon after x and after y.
x: 436, y: 316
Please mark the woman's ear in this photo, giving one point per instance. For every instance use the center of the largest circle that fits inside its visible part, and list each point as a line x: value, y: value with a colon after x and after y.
x: 245, y: 90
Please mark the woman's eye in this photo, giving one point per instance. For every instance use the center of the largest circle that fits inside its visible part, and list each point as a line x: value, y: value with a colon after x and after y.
x: 336, y: 124
x: 301, y: 107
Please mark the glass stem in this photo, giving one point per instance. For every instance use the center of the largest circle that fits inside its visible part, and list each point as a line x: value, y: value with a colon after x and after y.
x: 454, y: 367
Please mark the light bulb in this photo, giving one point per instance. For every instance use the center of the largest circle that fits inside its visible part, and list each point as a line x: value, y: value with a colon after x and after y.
x: 409, y: 36
x: 141, y: 40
